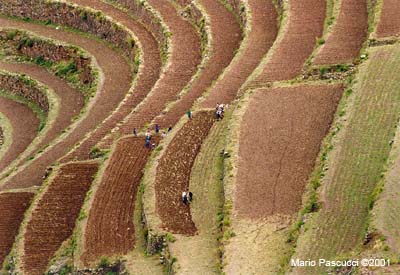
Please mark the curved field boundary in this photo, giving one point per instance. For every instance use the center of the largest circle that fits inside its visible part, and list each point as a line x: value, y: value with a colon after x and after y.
x: 389, y: 24
x: 25, y: 125
x: 148, y: 75
x: 71, y: 100
x: 13, y: 207
x: 300, y: 118
x: 109, y: 229
x: 6, y: 134
x: 260, y: 35
x: 356, y: 166
x: 53, y: 216
x: 173, y: 174
x: 305, y: 23
x: 225, y: 38
x: 114, y: 82
x: 347, y: 36
x: 183, y: 62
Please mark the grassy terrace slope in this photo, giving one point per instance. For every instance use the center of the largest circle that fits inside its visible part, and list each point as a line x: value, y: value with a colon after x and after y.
x: 357, y: 162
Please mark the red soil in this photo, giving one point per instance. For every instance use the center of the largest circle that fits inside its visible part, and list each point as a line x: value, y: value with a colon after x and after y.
x: 147, y: 77
x: 110, y: 229
x: 173, y: 174
x: 184, y: 59
x: 53, y: 218
x: 260, y: 39
x: 13, y: 207
x: 280, y: 138
x: 226, y: 37
x: 25, y: 126
x: 305, y: 24
x: 71, y: 103
x: 389, y: 24
x: 117, y: 81
x: 348, y: 34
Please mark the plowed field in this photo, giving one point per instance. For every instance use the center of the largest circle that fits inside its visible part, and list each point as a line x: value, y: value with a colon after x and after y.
x: 305, y: 24
x: 173, y: 174
x: 389, y: 24
x: 24, y: 125
x: 110, y: 228
x: 280, y: 138
x: 13, y: 206
x: 53, y: 219
x: 348, y: 34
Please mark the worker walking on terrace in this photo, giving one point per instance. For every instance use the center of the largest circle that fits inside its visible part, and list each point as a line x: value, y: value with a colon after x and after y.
x: 184, y: 197
x: 189, y: 114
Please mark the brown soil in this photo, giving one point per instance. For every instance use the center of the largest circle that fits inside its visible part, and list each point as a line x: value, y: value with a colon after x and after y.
x: 260, y: 39
x: 110, y: 229
x: 116, y: 83
x: 184, y: 59
x: 25, y: 127
x: 280, y: 138
x: 226, y: 37
x: 71, y: 103
x: 305, y: 24
x: 53, y: 218
x: 146, y: 79
x: 348, y: 34
x: 173, y: 174
x: 389, y: 24
x: 13, y: 207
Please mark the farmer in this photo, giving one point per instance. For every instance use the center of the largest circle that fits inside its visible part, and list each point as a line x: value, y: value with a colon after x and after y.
x: 157, y: 129
x: 184, y: 197
x: 147, y: 143
x: 189, y: 114
x: 134, y: 132
x: 163, y: 134
x: 190, y: 196
x: 169, y: 129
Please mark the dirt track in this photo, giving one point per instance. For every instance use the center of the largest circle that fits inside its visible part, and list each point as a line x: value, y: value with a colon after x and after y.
x: 116, y: 83
x: 280, y: 139
x: 348, y: 34
x: 53, y: 219
x: 305, y: 24
x: 71, y: 100
x: 173, y: 174
x: 389, y: 24
x: 13, y: 206
x: 184, y: 59
x: 259, y: 41
x: 25, y: 128
x: 226, y: 38
x: 148, y: 75
x: 110, y: 229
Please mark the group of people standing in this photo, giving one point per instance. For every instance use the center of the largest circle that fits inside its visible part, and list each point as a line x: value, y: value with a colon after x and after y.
x: 148, y: 135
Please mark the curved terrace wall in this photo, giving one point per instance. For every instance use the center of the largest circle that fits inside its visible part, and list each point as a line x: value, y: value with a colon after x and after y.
x: 72, y: 16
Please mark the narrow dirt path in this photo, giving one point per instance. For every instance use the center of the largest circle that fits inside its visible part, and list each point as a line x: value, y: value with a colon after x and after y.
x: 53, y: 217
x: 25, y: 125
x: 305, y: 24
x: 184, y: 59
x: 117, y: 81
x: 226, y: 38
x: 263, y: 32
x: 110, y: 229
x: 173, y: 174
x: 13, y: 207
x: 300, y: 117
x: 389, y: 24
x: 147, y: 77
x: 348, y: 34
x: 71, y: 100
